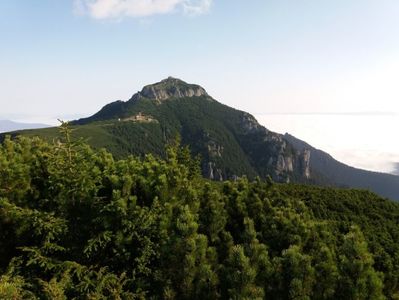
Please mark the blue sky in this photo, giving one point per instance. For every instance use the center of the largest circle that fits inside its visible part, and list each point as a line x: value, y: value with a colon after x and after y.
x: 62, y: 58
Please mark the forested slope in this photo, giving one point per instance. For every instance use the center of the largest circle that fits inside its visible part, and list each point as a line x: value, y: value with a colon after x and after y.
x: 77, y: 224
x: 231, y: 142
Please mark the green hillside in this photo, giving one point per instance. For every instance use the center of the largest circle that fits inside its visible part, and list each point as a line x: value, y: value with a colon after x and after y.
x: 76, y: 223
x: 229, y: 142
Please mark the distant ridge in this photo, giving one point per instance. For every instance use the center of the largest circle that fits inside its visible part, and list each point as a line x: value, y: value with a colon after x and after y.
x: 7, y: 125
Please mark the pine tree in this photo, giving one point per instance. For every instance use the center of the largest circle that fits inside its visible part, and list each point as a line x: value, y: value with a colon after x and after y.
x: 241, y: 276
x: 358, y: 279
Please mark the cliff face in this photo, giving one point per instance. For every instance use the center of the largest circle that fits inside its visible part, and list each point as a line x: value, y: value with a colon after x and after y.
x: 305, y: 163
x: 172, y: 88
x: 283, y: 161
x: 284, y: 165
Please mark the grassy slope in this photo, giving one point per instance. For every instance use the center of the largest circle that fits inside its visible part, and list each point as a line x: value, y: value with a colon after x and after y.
x: 198, y: 122
x: 201, y: 121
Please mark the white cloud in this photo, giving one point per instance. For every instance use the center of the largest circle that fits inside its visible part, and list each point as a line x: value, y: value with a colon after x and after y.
x: 116, y: 9
x: 196, y: 7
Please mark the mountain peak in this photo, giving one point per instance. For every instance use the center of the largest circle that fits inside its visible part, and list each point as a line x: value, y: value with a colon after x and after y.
x: 172, y: 88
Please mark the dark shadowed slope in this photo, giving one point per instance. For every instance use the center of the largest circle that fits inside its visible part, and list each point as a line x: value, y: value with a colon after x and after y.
x: 342, y: 175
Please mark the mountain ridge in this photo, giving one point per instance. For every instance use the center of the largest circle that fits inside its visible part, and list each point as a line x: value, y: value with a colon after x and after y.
x: 231, y: 142
x: 169, y: 88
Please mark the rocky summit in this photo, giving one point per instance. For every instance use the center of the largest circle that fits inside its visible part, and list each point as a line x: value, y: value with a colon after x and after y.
x: 172, y: 88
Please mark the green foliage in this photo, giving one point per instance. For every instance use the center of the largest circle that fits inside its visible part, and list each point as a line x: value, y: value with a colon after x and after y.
x: 359, y: 280
x: 77, y: 224
x: 14, y: 287
x: 201, y: 122
x: 231, y: 143
x: 241, y: 276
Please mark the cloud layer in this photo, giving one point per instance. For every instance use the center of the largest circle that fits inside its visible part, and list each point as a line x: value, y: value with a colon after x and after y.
x: 116, y: 9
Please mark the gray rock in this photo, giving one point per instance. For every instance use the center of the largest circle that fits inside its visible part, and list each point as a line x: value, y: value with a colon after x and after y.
x: 289, y: 164
x: 214, y: 149
x: 210, y: 171
x: 213, y: 173
x: 305, y: 156
x: 249, y: 123
x: 172, y: 88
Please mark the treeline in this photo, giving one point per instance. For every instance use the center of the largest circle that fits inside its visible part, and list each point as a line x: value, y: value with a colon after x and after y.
x: 77, y: 224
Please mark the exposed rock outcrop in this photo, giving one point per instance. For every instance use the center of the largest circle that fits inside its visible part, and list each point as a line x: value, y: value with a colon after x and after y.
x: 214, y: 173
x: 172, y: 88
x: 305, y: 163
x: 249, y: 123
x: 215, y: 150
